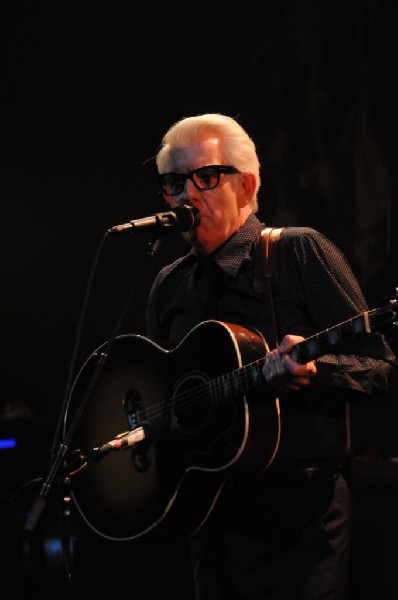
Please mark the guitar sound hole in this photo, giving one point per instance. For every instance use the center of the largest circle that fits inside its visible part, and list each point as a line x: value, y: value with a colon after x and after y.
x: 191, y: 402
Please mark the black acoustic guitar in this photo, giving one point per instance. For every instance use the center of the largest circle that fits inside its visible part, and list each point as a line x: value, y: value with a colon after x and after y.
x: 203, y: 413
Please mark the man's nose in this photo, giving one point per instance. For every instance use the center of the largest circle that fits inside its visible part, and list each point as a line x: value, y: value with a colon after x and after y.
x: 189, y: 188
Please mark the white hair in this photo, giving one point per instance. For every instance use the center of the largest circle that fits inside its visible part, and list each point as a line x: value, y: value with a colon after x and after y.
x: 238, y: 148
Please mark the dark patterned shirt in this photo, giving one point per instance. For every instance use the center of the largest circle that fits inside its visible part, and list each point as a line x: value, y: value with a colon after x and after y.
x: 316, y: 290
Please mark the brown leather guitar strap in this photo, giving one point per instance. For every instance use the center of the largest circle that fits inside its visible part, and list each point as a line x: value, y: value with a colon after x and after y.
x: 266, y: 273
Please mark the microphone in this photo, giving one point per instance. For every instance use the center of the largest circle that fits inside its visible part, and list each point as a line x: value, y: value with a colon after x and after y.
x: 123, y: 441
x: 120, y: 442
x: 182, y: 218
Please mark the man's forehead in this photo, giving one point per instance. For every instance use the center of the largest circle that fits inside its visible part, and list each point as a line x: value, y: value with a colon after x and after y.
x: 207, y: 147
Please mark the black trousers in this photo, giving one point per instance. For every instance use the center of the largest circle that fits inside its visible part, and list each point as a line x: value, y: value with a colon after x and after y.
x: 277, y: 540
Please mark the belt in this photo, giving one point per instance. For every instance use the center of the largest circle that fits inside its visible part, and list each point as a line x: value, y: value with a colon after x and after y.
x: 288, y: 471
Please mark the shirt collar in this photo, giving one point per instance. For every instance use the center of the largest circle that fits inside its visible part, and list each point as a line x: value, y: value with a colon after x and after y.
x: 230, y: 256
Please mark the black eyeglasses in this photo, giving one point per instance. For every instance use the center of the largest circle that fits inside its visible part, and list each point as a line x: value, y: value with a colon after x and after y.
x: 204, y: 178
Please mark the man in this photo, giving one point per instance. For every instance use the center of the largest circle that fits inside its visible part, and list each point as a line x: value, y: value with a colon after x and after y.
x: 283, y: 532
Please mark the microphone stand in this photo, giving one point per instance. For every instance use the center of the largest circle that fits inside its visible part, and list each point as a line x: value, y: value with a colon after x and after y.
x: 58, y: 462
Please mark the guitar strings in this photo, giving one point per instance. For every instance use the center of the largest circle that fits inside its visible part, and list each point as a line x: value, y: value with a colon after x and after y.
x: 235, y: 383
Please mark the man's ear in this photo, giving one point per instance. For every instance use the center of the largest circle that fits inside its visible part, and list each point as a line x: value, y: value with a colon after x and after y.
x: 248, y: 186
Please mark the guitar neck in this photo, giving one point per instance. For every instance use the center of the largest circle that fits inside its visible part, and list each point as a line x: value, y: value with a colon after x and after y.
x: 333, y: 339
x: 330, y: 341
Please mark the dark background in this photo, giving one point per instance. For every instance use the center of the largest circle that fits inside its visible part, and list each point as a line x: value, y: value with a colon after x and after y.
x: 86, y: 93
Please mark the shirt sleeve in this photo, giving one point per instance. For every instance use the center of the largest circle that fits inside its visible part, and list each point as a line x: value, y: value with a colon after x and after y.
x: 322, y: 286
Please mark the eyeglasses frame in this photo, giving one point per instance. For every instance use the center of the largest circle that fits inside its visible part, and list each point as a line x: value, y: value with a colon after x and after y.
x: 226, y: 169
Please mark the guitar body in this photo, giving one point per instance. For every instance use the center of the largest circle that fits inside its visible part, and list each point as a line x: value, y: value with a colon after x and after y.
x: 199, y: 429
x: 203, y: 413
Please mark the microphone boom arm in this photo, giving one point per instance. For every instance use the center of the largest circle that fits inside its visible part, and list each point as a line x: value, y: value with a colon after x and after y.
x: 182, y: 218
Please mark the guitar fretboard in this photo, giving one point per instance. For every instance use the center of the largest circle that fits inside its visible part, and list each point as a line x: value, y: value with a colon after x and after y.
x: 241, y: 381
x: 235, y: 383
x: 334, y: 338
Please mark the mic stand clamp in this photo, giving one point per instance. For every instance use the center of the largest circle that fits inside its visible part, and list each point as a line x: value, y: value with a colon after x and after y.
x: 40, y: 500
